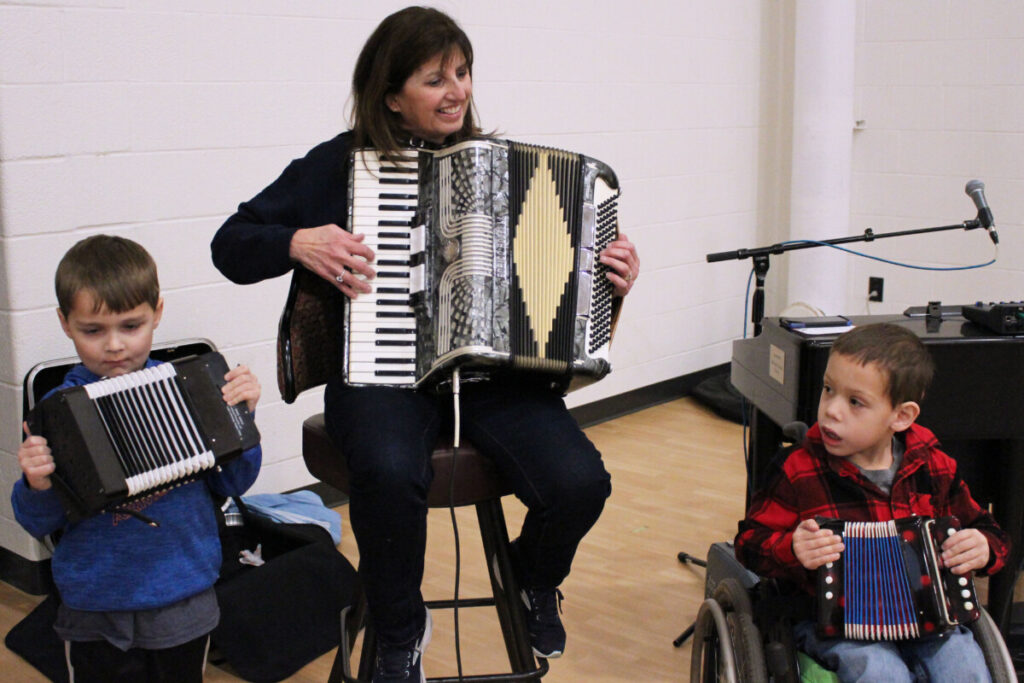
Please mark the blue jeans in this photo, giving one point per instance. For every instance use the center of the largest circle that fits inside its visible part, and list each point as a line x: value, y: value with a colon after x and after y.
x: 955, y: 657
x: 388, y: 435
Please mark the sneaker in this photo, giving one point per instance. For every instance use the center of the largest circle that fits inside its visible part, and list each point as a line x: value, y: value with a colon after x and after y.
x: 403, y: 662
x: 547, y: 635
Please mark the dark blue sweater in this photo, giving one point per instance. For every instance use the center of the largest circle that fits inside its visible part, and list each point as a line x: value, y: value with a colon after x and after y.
x: 253, y: 244
x: 115, y: 562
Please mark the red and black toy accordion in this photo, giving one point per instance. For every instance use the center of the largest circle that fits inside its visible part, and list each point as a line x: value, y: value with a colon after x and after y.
x: 888, y: 585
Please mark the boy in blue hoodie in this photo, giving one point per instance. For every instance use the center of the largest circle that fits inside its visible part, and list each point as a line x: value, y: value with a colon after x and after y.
x: 137, y: 602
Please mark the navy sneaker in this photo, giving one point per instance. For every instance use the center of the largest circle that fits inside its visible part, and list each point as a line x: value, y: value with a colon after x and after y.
x: 403, y: 662
x: 547, y: 635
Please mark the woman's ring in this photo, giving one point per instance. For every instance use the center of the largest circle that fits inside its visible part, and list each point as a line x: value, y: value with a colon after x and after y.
x: 341, y: 278
x: 629, y: 276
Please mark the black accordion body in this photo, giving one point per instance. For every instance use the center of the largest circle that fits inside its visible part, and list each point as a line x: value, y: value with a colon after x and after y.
x: 126, y: 437
x: 888, y: 585
x: 486, y: 256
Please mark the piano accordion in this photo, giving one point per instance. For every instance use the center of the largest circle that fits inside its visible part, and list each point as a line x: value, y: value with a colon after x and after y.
x: 486, y: 255
x: 888, y: 585
x: 125, y: 437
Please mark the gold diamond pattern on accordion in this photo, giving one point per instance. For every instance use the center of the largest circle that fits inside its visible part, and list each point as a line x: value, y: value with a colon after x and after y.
x: 542, y: 252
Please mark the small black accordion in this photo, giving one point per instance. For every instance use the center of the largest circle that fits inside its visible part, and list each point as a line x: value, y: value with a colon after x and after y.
x: 888, y: 584
x: 126, y: 437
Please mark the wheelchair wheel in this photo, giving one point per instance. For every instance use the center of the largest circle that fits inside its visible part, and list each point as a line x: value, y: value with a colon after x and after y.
x: 727, y: 644
x: 986, y: 634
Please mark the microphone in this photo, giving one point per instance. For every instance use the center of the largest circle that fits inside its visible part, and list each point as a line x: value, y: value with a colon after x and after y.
x: 975, y: 189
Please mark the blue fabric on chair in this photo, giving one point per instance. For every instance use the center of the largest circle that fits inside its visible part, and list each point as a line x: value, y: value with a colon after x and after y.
x: 298, y: 507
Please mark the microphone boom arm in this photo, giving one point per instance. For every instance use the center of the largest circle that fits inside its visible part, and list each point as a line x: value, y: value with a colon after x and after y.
x: 760, y: 256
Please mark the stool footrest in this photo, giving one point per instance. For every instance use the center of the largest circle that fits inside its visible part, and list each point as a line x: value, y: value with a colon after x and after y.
x: 542, y: 668
x: 461, y: 602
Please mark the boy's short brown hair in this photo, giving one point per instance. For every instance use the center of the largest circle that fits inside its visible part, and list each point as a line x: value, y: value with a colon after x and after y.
x: 119, y: 273
x: 904, y: 361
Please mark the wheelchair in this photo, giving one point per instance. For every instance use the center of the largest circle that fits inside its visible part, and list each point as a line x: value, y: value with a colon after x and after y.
x: 742, y: 633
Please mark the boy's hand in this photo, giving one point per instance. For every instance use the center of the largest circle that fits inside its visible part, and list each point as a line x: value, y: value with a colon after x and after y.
x: 965, y: 550
x: 241, y: 385
x: 814, y: 546
x: 36, y: 461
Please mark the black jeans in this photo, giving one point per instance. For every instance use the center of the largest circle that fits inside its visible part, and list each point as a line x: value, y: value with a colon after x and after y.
x: 388, y: 435
x: 97, y: 661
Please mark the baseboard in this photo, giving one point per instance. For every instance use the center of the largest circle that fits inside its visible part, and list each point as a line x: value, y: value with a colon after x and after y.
x: 31, y: 576
x: 331, y: 496
x: 590, y: 414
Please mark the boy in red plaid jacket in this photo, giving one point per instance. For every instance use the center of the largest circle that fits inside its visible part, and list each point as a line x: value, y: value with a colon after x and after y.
x: 865, y: 460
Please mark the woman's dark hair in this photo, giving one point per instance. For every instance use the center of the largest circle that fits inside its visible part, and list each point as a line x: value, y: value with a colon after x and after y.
x: 402, y: 43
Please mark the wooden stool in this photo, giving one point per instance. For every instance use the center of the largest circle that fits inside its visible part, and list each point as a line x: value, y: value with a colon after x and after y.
x: 476, y: 483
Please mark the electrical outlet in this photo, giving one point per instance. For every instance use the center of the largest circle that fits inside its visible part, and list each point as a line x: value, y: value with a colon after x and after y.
x: 875, y: 285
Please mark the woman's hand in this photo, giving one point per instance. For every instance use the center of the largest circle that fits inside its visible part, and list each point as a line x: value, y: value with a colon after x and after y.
x: 241, y: 385
x: 620, y: 256
x: 336, y: 255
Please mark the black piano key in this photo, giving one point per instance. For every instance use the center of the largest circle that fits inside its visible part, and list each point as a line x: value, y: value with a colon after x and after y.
x: 393, y: 330
x: 398, y: 181
x: 393, y: 342
x: 394, y: 373
x: 396, y: 195
x: 393, y: 273
x: 392, y: 247
x: 392, y: 290
x: 393, y: 235
x: 398, y: 169
x: 396, y: 207
x: 395, y: 361
x: 392, y: 302
x: 395, y: 314
x: 390, y: 223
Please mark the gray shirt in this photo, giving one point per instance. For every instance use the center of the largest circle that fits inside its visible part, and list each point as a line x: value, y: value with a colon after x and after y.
x: 153, y: 629
x: 883, y: 478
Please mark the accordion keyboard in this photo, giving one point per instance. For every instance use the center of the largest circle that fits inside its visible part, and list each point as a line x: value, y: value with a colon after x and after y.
x: 382, y: 324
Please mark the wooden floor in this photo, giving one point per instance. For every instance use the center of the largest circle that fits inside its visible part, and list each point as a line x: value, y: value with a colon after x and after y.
x: 678, y: 481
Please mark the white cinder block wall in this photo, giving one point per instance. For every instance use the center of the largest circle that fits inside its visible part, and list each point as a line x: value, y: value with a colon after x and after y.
x: 152, y: 119
x: 939, y: 87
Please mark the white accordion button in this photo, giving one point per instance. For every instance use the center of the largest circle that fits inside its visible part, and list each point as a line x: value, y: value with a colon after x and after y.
x: 828, y: 565
x: 968, y: 606
x: 963, y: 581
x: 950, y: 532
x: 828, y: 595
x: 829, y: 579
x: 965, y: 594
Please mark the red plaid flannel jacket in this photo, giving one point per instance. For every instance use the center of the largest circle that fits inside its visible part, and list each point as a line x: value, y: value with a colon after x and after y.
x: 813, y: 483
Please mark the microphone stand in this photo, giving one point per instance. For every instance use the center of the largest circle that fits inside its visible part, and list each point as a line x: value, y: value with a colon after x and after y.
x: 760, y: 257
